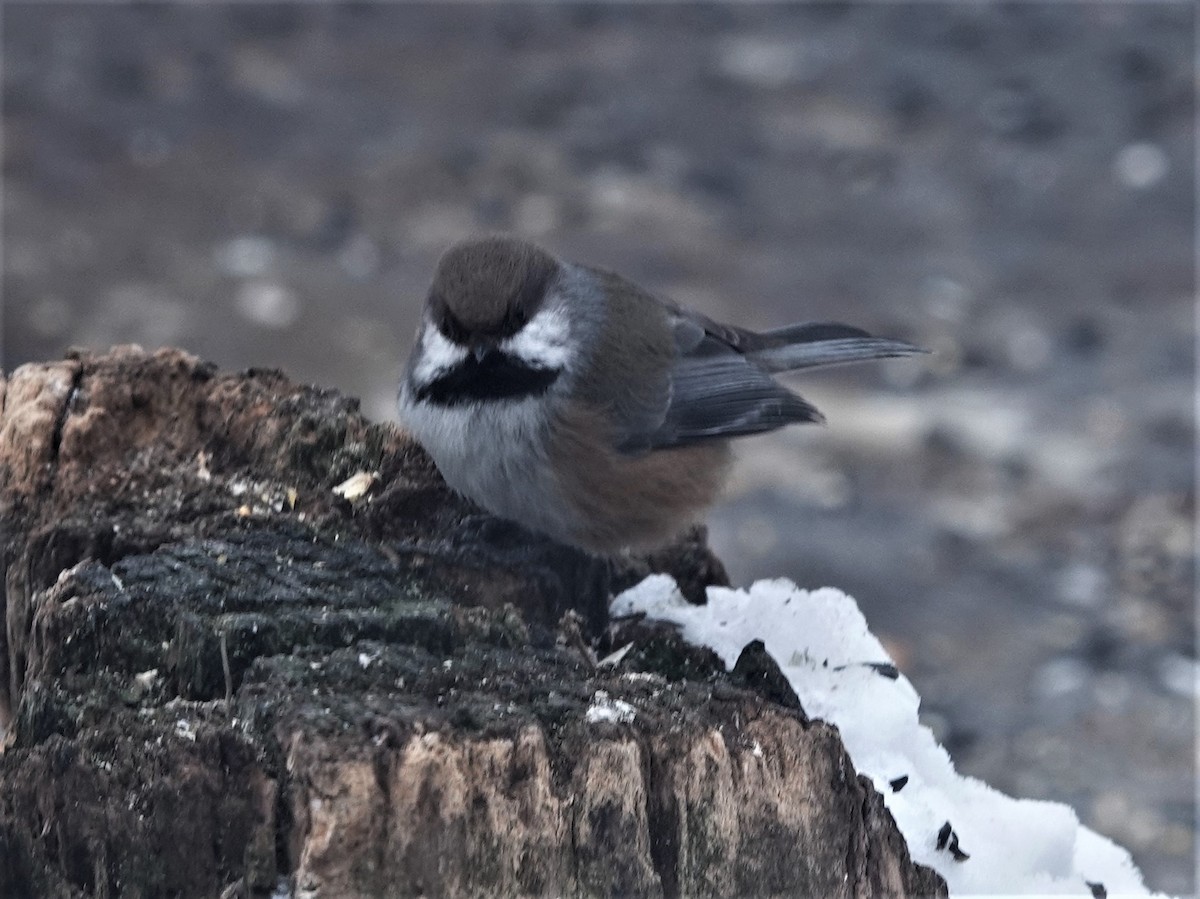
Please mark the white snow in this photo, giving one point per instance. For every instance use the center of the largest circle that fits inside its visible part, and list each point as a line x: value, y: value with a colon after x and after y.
x: 605, y: 709
x: 820, y: 640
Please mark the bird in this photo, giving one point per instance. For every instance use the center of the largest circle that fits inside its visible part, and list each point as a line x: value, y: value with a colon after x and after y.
x: 573, y: 402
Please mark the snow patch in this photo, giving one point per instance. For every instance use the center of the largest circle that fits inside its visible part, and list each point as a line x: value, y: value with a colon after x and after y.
x: 842, y: 675
x: 608, y: 710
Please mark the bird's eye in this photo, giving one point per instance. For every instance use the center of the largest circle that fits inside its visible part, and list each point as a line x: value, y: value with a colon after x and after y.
x: 450, y: 327
x: 454, y: 329
x: 514, y: 321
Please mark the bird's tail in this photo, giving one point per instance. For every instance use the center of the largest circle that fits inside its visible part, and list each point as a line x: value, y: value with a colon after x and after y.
x: 822, y: 343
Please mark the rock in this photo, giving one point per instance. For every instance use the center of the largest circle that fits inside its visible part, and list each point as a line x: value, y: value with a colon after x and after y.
x: 221, y: 672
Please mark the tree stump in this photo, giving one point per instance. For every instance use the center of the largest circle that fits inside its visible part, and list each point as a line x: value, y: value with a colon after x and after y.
x: 251, y: 636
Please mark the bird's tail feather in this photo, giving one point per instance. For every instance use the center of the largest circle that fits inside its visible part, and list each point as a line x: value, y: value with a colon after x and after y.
x: 811, y: 345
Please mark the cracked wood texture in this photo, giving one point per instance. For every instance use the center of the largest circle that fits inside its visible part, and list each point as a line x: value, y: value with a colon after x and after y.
x: 221, y: 676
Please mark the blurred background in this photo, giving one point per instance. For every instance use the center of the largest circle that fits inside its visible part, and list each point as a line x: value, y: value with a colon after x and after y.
x: 1011, y: 185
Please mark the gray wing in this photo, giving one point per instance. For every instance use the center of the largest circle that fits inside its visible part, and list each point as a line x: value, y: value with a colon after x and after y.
x: 701, y: 380
x: 714, y: 392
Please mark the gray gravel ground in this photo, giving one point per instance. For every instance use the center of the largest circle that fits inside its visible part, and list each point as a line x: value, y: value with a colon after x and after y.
x: 1010, y: 184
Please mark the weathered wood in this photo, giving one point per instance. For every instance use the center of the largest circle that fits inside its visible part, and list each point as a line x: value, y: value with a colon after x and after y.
x: 220, y: 672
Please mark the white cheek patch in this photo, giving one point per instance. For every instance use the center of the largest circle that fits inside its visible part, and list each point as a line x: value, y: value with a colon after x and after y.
x: 438, y: 356
x: 544, y: 342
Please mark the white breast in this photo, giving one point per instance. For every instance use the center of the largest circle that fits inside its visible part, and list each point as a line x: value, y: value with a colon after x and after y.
x: 494, y: 454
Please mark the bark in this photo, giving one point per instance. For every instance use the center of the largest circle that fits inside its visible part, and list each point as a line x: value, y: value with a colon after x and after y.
x: 219, y: 672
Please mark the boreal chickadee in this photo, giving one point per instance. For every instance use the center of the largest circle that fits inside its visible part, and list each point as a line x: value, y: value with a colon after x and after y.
x: 575, y: 403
